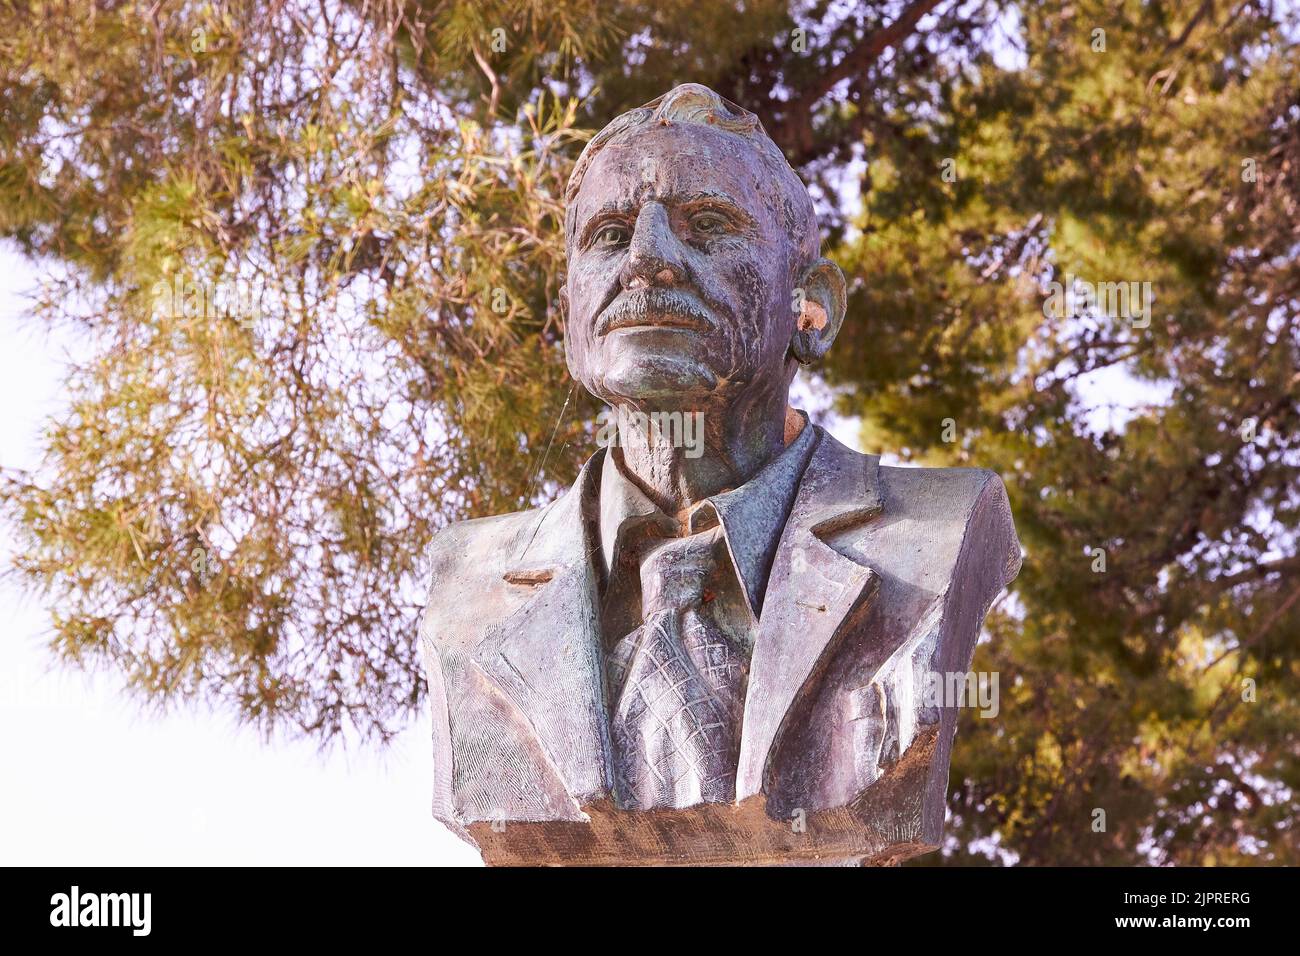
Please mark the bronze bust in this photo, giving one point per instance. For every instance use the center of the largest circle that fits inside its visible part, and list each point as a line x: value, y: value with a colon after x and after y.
x: 714, y: 651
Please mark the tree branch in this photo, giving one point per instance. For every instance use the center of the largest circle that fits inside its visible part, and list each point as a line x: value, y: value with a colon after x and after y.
x: 868, y: 51
x: 796, y: 133
x: 1282, y: 565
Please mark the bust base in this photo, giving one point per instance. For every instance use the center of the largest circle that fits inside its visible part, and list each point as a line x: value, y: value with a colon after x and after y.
x: 711, y: 834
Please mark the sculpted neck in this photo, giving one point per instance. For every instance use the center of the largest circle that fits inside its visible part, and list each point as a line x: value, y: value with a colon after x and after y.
x: 680, y: 457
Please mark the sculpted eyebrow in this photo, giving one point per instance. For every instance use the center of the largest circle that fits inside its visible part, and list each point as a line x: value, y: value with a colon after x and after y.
x: 713, y: 198
x: 628, y: 208
x: 625, y: 207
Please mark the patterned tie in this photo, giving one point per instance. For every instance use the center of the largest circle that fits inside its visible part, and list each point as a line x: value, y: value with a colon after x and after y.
x: 679, y: 685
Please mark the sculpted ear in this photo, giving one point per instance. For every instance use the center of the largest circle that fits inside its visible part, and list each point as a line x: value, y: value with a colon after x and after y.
x: 821, y: 299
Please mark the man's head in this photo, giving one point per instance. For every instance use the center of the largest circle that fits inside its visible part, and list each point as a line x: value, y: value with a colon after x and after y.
x: 693, y: 258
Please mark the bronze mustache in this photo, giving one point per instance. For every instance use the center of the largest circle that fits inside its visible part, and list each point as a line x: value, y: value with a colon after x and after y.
x: 655, y: 308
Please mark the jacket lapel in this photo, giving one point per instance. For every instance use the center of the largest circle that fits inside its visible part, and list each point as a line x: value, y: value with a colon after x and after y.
x: 813, y: 595
x: 546, y: 655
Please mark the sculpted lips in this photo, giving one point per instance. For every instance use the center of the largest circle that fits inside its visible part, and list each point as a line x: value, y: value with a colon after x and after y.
x: 655, y: 308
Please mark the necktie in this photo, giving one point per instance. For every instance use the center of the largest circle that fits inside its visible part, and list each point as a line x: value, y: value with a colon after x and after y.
x: 678, y: 683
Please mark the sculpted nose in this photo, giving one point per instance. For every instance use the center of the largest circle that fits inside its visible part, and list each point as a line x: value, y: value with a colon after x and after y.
x: 654, y: 255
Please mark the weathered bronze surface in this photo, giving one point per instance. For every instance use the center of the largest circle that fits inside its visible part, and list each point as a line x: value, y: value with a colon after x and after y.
x: 720, y: 650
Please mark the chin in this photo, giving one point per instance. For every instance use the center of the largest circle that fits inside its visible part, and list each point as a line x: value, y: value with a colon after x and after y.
x: 658, y: 378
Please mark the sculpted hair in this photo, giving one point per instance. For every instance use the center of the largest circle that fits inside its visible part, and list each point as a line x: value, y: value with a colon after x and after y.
x: 695, y: 103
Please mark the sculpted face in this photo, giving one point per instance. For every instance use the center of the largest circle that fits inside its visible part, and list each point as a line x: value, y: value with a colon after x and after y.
x: 680, y: 273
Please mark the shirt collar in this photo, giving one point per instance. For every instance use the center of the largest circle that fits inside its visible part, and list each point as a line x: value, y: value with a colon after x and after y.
x: 752, y: 516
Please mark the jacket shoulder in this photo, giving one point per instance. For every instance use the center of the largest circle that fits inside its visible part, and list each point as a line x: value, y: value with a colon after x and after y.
x: 936, y: 524
x: 938, y: 492
x: 467, y: 562
x: 967, y: 506
x: 478, y: 545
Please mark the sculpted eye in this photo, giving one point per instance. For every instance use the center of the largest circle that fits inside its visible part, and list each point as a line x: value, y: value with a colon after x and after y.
x: 610, y: 236
x: 708, y: 224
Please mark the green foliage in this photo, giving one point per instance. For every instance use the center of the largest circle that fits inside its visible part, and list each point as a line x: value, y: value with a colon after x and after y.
x: 316, y: 245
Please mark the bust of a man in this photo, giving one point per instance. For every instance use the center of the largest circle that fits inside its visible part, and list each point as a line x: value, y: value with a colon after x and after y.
x: 721, y: 645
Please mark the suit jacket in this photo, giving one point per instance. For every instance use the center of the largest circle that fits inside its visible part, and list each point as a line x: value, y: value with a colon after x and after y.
x: 882, y: 577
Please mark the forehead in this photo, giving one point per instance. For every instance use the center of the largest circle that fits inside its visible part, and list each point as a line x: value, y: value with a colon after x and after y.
x: 677, y: 161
